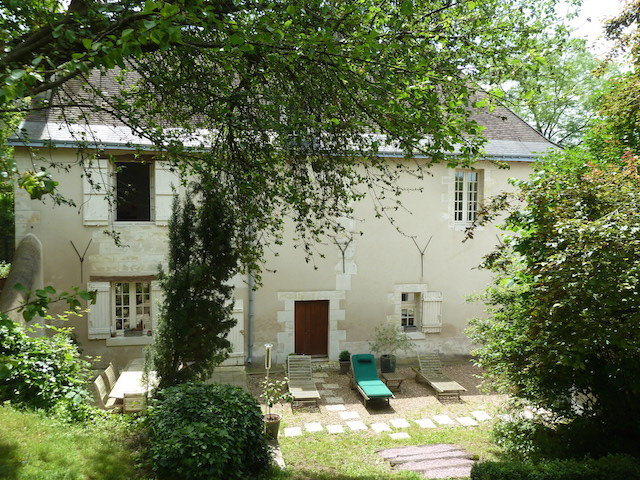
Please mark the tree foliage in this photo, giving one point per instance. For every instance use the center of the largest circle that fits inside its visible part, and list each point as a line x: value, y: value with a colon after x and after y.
x: 564, y: 326
x: 287, y: 104
x: 559, y: 94
x: 195, y: 316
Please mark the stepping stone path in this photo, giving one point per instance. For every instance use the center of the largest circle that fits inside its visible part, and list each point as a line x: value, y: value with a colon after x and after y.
x: 400, y: 423
x: 443, y: 420
x: 426, y: 423
x: 335, y: 429
x: 431, y: 461
x: 313, y: 427
x: 354, y: 422
x: 467, y: 421
x: 380, y: 427
x: 356, y: 425
x: 335, y: 400
x: 292, y: 432
x: 336, y: 408
x: 349, y: 415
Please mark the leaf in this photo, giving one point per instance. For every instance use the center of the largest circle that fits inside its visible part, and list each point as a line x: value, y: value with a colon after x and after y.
x: 406, y: 8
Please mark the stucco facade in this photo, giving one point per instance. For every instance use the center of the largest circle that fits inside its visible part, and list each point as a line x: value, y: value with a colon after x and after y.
x: 410, y: 269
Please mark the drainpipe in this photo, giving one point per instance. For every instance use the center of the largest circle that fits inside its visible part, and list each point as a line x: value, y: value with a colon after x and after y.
x: 251, y: 283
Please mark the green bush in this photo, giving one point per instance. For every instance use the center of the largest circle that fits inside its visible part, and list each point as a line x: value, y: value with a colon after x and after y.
x: 40, y: 372
x: 612, y: 467
x: 199, y: 431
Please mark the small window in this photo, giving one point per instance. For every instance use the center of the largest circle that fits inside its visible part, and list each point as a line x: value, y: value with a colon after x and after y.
x: 467, y: 195
x: 409, y: 310
x: 132, y: 309
x: 133, y: 190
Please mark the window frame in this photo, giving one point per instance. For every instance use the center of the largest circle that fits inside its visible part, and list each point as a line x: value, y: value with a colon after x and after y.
x: 132, y: 294
x: 467, y: 195
x: 410, y: 302
x: 117, y: 165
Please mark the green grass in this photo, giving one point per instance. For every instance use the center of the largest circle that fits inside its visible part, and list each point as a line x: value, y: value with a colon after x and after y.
x: 352, y: 455
x: 35, y: 447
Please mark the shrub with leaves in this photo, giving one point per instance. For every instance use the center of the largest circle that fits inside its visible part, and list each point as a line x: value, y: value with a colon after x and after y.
x: 564, y: 326
x: 40, y: 372
x: 206, y: 431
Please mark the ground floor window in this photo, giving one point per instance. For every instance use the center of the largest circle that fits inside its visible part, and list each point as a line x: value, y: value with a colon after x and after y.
x: 409, y: 310
x: 131, y: 309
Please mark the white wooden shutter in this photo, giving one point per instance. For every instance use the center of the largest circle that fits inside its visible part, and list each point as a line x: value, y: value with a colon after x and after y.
x: 166, y: 185
x: 432, y: 312
x: 96, y: 182
x: 157, y: 297
x: 100, y: 312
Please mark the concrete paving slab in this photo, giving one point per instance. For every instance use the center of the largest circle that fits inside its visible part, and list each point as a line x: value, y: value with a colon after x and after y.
x: 380, y: 427
x: 431, y: 461
x: 320, y: 374
x: 467, y: 421
x: 481, y: 416
x: 292, y: 432
x: 399, y: 435
x: 313, y: 427
x: 426, y: 423
x: 348, y: 415
x: 443, y: 420
x: 334, y: 399
x: 399, y: 423
x: 335, y: 429
x: 356, y: 425
x: 330, y: 386
x: 336, y: 408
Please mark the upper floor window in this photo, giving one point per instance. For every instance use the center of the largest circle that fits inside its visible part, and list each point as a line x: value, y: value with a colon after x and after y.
x: 468, y: 190
x: 133, y: 191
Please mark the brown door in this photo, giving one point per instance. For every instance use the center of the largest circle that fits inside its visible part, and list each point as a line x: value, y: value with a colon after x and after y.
x: 312, y: 328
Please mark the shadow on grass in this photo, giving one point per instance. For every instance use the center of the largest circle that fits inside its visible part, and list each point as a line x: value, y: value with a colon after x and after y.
x: 109, y: 463
x: 9, y: 464
x: 304, y: 474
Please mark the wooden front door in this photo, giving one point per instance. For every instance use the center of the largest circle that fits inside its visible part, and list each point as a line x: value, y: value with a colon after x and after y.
x: 312, y: 328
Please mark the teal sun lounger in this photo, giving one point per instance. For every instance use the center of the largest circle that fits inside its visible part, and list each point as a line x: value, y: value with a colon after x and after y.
x: 365, y: 378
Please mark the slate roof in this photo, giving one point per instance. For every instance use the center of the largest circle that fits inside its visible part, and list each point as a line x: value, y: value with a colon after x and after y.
x: 508, y: 136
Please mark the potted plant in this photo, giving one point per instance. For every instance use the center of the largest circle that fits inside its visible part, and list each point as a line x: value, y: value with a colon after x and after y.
x: 388, y: 339
x: 274, y: 391
x: 345, y: 361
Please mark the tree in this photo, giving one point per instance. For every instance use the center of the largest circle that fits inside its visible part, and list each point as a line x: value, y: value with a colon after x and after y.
x: 563, y: 331
x: 195, y: 316
x: 559, y: 94
x: 285, y: 104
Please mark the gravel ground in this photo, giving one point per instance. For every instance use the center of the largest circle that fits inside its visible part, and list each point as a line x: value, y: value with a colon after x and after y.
x: 415, y: 400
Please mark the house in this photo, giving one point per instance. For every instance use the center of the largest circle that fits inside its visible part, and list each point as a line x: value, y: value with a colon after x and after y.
x: 415, y: 272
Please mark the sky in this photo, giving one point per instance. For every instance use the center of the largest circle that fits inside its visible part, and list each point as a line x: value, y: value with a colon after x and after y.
x: 589, y: 23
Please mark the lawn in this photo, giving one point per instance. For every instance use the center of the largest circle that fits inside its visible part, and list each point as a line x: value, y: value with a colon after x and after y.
x: 352, y: 455
x: 35, y: 447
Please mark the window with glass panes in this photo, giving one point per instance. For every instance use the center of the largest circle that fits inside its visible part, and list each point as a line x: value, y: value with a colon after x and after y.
x: 132, y: 308
x: 408, y: 310
x: 467, y: 195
